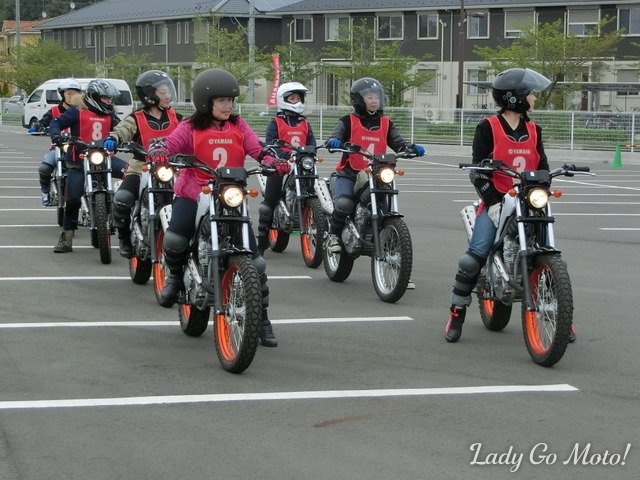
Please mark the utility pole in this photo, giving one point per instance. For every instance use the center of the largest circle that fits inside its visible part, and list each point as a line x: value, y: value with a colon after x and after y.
x: 251, y: 39
x: 461, y: 40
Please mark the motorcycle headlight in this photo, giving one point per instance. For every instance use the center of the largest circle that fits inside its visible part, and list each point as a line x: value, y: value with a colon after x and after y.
x: 65, y: 147
x: 96, y: 158
x: 232, y: 196
x: 307, y: 163
x: 164, y: 174
x: 538, y: 198
x: 387, y: 175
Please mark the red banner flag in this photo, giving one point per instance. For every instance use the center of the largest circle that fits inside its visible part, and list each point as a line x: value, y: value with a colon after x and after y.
x: 273, y: 100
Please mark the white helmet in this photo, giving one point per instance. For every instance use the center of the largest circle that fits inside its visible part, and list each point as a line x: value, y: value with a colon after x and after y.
x: 287, y: 89
x: 69, y: 84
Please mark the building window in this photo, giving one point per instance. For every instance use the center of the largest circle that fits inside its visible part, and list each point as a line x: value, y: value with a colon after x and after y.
x: 629, y: 20
x: 336, y: 26
x: 201, y: 32
x: 109, y: 37
x: 73, y: 39
x: 159, y: 34
x: 429, y: 87
x: 476, y: 76
x: 478, y: 25
x: 304, y: 30
x: 428, y: 26
x: 583, y: 22
x: 627, y: 76
x: 514, y: 20
x: 390, y: 27
x: 186, y: 33
x: 129, y: 35
x: 178, y: 33
x: 79, y: 37
x: 146, y: 35
x: 89, y: 39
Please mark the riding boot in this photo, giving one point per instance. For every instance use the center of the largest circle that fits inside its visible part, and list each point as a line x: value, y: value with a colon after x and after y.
x: 125, y: 247
x: 267, y: 338
x: 263, y: 243
x: 172, y: 287
x: 65, y: 243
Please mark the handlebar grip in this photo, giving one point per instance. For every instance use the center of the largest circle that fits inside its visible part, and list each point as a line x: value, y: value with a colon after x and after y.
x: 582, y: 169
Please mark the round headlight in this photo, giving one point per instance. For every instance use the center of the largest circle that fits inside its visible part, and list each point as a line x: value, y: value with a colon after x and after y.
x: 307, y: 163
x: 96, y: 158
x: 538, y: 198
x: 65, y: 147
x: 387, y: 175
x: 232, y: 196
x: 164, y: 174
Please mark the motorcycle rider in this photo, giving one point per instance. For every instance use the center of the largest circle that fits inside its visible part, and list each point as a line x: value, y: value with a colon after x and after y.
x: 375, y: 132
x: 213, y: 126
x: 67, y: 88
x: 509, y: 136
x: 153, y: 121
x: 90, y: 117
x: 289, y: 124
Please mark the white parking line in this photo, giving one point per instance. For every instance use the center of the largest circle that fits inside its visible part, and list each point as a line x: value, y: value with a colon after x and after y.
x: 621, y: 229
x: 157, y: 323
x: 304, y: 395
x: 47, y: 279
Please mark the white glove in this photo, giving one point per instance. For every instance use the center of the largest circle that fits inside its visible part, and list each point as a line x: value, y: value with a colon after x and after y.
x: 494, y: 213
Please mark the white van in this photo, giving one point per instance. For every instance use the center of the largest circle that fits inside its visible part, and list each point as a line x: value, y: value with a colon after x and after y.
x: 46, y: 96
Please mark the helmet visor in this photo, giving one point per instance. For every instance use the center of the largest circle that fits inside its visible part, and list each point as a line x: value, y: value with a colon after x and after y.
x: 534, y: 81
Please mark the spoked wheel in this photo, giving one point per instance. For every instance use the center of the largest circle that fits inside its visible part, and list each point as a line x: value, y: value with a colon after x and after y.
x: 236, y: 331
x: 337, y: 266
x: 53, y: 194
x: 495, y: 314
x: 193, y: 322
x: 314, y: 225
x: 391, y: 272
x: 546, y: 330
x: 103, y: 232
x: 278, y: 240
x: 159, y: 272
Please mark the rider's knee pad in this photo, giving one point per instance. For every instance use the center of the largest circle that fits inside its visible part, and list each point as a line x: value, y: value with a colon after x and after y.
x: 124, y: 199
x: 469, y: 267
x: 344, y: 206
x: 175, y: 243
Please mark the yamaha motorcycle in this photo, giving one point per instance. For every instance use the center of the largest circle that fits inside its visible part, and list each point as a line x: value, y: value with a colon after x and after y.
x: 58, y: 178
x: 524, y: 264
x: 220, y: 274
x: 375, y: 229
x: 299, y: 207
x: 154, y: 201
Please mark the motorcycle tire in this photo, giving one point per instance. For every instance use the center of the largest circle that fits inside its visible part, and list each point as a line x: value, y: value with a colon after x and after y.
x: 392, y: 272
x: 237, y: 331
x: 159, y: 272
x: 193, y: 321
x: 337, y: 266
x: 547, y: 329
x: 495, y: 315
x: 278, y: 240
x: 315, y: 227
x: 140, y: 270
x: 103, y: 232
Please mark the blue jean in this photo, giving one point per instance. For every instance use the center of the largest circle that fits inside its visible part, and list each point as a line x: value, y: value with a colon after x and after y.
x: 484, y: 233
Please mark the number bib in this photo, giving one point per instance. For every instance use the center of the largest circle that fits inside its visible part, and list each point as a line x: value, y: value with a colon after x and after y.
x: 296, y: 136
x: 374, y: 141
x: 219, y: 148
x: 93, y: 126
x: 522, y: 156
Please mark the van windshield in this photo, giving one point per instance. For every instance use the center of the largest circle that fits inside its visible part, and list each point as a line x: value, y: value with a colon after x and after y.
x: 123, y: 99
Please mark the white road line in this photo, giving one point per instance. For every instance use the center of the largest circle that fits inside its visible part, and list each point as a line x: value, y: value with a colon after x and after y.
x: 156, y: 323
x: 47, y: 279
x: 621, y: 229
x: 304, y: 395
x: 30, y: 247
x: 41, y: 209
x: 28, y: 226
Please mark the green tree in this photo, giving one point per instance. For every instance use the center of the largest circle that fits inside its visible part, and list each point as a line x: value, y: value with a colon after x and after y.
x: 561, y: 57
x: 33, y: 63
x: 128, y: 67
x: 297, y: 63
x: 358, y: 53
x: 222, y: 47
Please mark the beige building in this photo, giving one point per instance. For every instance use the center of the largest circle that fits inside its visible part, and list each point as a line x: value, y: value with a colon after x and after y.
x: 9, y: 39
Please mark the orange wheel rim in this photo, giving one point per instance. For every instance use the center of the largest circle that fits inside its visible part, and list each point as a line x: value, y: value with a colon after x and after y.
x: 224, y: 330
x: 488, y: 307
x: 533, y: 333
x: 273, y: 235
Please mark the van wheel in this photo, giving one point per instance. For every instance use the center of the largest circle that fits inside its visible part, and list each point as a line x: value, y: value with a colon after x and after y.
x: 33, y: 122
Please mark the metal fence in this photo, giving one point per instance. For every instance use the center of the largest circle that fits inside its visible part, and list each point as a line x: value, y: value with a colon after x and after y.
x: 563, y: 130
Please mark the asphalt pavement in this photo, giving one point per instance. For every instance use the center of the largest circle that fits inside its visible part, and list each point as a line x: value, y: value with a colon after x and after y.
x: 99, y: 382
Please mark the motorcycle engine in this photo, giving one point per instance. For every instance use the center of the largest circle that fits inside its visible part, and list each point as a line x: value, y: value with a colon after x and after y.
x: 501, y: 289
x: 350, y: 238
x: 144, y: 217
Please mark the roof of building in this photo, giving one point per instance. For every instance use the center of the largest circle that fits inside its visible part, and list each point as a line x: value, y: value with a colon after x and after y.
x: 322, y: 6
x: 121, y: 11
x: 26, y: 26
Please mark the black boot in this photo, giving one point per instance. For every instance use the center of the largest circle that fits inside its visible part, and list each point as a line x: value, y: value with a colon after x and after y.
x: 125, y: 247
x: 172, y: 288
x: 263, y: 243
x: 267, y: 338
x: 453, y: 330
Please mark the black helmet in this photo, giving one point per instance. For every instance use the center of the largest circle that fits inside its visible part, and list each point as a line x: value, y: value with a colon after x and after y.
x: 511, y: 87
x: 100, y: 88
x: 148, y: 82
x: 211, y: 84
x: 362, y: 87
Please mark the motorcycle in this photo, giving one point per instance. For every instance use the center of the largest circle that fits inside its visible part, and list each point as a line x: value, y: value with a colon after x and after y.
x: 58, y: 178
x: 95, y: 206
x: 220, y: 273
x: 375, y: 228
x: 154, y: 199
x: 524, y: 264
x: 299, y: 207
